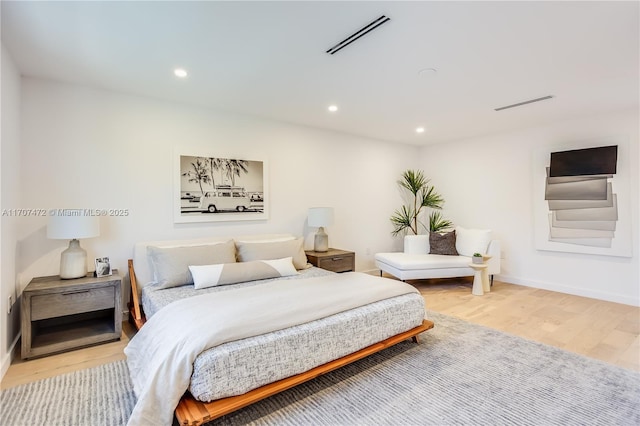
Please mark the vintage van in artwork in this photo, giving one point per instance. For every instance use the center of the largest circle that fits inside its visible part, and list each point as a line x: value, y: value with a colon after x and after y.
x: 225, y: 197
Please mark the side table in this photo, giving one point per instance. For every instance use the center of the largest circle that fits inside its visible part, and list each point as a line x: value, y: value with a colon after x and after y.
x: 480, y: 279
x: 59, y: 315
x: 332, y: 260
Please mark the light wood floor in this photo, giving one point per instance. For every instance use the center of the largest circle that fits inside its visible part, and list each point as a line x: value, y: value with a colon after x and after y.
x: 602, y: 330
x: 20, y: 371
x: 597, y: 329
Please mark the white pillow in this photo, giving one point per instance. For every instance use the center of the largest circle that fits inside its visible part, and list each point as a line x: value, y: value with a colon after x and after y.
x: 416, y: 244
x: 283, y: 266
x: 469, y: 241
x: 205, y: 276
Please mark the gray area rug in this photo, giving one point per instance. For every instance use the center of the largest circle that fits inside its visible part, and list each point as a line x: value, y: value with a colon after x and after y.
x: 460, y: 374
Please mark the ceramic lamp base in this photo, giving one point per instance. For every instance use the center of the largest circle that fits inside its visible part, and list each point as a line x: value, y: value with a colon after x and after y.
x: 321, y: 241
x: 73, y: 261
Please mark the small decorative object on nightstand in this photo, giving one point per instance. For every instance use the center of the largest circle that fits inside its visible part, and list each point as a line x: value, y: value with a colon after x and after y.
x: 103, y: 267
x: 59, y: 315
x: 320, y: 217
x: 333, y: 260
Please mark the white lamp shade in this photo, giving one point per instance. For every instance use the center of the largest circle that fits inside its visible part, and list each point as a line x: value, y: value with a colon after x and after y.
x: 320, y: 216
x: 73, y: 227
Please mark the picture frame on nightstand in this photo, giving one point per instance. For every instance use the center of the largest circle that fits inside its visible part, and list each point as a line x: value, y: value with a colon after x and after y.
x: 103, y: 267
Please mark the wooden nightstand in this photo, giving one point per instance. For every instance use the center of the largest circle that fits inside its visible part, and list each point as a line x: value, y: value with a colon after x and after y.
x: 60, y: 315
x: 333, y: 260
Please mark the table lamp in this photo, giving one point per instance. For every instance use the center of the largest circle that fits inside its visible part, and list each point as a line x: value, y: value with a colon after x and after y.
x: 321, y: 217
x: 73, y: 261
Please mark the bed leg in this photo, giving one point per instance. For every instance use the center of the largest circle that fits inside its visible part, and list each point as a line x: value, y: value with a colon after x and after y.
x: 380, y: 272
x: 414, y: 339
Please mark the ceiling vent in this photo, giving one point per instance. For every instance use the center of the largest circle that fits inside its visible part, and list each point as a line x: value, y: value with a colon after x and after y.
x: 362, y: 31
x: 544, y: 98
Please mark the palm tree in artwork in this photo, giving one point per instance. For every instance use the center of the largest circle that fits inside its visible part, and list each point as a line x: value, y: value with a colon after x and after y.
x: 199, y: 174
x: 214, y: 165
x: 234, y: 167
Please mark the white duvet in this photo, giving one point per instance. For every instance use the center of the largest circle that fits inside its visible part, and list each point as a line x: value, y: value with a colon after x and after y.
x: 161, y: 355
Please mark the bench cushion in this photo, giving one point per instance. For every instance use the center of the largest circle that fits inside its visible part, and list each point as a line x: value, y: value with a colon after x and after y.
x: 421, y: 261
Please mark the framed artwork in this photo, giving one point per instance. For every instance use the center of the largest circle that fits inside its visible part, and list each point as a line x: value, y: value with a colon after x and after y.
x: 213, y: 188
x: 582, y: 198
x: 103, y: 267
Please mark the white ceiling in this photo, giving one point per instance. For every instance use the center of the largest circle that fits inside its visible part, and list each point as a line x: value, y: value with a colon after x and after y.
x: 268, y: 59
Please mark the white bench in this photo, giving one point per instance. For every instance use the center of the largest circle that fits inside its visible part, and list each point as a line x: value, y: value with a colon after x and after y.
x: 416, y: 262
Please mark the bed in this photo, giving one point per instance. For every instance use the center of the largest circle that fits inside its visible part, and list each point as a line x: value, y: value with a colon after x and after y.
x: 234, y: 373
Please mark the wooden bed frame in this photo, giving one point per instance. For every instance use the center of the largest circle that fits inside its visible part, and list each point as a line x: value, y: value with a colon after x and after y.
x: 192, y: 412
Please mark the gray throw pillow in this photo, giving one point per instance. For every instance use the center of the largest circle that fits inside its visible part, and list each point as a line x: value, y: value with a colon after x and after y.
x: 443, y: 243
x: 171, y: 264
x: 248, y: 251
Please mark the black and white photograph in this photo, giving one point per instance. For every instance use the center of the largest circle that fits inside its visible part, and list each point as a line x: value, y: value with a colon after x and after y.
x: 213, y: 189
x: 103, y: 267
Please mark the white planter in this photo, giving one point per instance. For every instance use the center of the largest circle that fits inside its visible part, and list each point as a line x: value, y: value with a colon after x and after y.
x: 416, y: 244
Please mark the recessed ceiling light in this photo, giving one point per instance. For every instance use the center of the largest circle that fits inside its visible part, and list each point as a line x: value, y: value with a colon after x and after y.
x: 179, y: 72
x: 419, y: 129
x: 333, y: 108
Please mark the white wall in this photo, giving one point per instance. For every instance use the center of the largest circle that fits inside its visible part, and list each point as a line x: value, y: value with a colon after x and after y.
x: 9, y: 199
x: 86, y: 148
x: 487, y: 183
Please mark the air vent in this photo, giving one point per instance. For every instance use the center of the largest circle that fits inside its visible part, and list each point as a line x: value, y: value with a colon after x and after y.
x: 544, y: 98
x: 362, y: 31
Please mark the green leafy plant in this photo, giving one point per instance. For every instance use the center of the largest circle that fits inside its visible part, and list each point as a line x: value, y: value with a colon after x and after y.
x: 422, y: 195
x: 477, y: 258
x: 437, y: 223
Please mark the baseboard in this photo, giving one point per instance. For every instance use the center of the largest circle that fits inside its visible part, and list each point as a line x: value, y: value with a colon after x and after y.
x: 559, y: 288
x: 6, y: 362
x: 8, y: 358
x: 576, y: 291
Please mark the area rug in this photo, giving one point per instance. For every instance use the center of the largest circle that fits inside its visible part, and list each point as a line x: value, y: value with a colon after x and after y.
x: 460, y: 374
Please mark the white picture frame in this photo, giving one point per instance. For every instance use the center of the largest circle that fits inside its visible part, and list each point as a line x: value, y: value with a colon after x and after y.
x: 212, y: 187
x: 103, y: 267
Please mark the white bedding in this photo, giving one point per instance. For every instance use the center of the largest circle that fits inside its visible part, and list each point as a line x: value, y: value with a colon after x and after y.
x: 161, y: 355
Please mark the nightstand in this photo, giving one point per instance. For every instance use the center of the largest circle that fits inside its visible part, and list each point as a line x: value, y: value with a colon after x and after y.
x: 59, y: 315
x: 333, y: 260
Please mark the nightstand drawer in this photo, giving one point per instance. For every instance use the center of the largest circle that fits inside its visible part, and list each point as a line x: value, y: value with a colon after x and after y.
x: 334, y: 260
x: 71, y: 302
x: 336, y: 263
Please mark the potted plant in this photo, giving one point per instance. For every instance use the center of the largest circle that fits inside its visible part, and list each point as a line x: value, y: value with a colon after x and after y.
x: 421, y: 196
x: 477, y: 258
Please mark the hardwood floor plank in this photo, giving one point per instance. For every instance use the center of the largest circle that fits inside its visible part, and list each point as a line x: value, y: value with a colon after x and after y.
x: 599, y: 329
x: 25, y: 371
